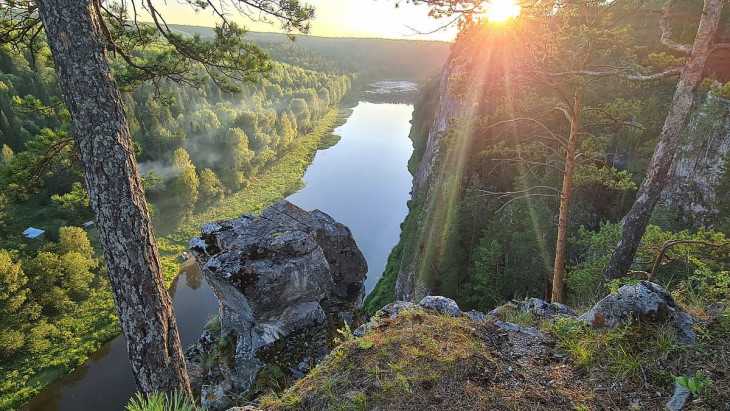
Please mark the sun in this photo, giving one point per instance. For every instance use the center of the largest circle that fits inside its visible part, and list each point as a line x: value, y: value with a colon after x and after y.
x: 502, y: 10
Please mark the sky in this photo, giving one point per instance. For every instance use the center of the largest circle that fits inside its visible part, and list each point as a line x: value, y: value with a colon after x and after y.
x: 337, y: 18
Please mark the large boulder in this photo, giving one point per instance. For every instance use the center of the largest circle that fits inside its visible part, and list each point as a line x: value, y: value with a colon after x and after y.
x: 284, y: 280
x: 645, y: 301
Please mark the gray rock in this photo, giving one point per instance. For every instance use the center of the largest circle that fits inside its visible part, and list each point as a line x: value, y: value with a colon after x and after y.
x: 536, y: 306
x: 390, y: 311
x: 700, y: 164
x: 441, y: 305
x: 516, y: 328
x: 475, y: 315
x: 544, y: 309
x: 679, y: 398
x: 645, y: 301
x: 282, y: 279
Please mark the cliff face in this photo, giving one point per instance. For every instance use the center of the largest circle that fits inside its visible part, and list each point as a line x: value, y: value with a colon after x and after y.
x: 284, y: 281
x: 457, y: 90
x: 447, y: 107
x: 463, y: 90
x: 700, y: 165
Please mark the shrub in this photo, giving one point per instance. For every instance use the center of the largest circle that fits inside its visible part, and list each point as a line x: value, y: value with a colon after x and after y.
x: 161, y: 402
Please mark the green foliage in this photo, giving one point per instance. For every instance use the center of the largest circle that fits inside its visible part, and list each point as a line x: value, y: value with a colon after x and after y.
x: 721, y: 90
x: 722, y: 201
x: 696, y: 384
x: 692, y: 270
x: 184, y: 186
x: 384, y: 291
x: 16, y: 307
x: 211, y: 189
x: 161, y: 402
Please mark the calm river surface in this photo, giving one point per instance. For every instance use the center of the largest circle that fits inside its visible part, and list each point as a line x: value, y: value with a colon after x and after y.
x: 362, y: 182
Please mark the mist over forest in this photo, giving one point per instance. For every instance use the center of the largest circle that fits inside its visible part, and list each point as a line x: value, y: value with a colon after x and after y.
x: 534, y: 215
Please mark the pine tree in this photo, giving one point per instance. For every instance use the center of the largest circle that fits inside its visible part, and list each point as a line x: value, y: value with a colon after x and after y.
x: 184, y: 187
x: 211, y: 188
x: 16, y: 307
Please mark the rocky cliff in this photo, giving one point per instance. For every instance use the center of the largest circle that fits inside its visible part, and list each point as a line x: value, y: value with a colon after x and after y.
x: 443, y: 129
x: 285, y: 280
x: 700, y: 164
x: 459, y: 87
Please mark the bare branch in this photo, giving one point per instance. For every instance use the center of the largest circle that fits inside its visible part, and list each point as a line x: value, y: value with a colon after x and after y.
x: 521, y: 198
x: 720, y: 46
x: 666, y: 27
x: 671, y: 243
x: 552, y: 136
x: 437, y: 29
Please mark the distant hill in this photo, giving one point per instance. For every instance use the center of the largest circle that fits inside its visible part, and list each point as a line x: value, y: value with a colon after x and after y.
x: 371, y: 57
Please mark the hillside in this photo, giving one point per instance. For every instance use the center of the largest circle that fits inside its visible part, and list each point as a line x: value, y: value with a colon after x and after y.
x: 373, y: 58
x: 523, y: 355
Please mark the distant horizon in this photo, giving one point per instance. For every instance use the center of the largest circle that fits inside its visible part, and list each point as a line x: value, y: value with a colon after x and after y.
x: 283, y: 34
x: 337, y: 19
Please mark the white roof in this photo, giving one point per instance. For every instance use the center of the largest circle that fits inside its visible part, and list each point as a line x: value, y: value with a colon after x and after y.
x: 32, y: 232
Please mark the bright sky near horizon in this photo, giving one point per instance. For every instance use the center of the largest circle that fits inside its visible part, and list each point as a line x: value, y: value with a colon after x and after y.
x: 339, y: 18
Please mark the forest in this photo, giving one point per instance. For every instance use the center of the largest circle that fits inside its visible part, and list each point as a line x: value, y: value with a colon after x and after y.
x: 568, y: 151
x: 194, y: 146
x: 497, y: 236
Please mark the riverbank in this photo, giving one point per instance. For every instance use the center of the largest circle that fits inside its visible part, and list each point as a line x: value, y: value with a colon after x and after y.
x: 94, y: 322
x: 280, y: 180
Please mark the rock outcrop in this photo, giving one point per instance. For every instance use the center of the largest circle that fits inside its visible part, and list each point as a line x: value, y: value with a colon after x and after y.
x: 539, y: 308
x: 645, y: 301
x: 284, y: 280
x: 700, y: 164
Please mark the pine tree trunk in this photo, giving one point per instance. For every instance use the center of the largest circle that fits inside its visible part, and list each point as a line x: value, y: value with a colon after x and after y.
x: 566, y: 195
x: 657, y: 175
x: 102, y: 135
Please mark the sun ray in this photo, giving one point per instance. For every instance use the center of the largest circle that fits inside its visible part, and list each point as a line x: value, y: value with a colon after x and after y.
x: 502, y: 10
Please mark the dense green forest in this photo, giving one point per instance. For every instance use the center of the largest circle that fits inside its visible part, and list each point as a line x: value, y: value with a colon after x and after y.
x: 530, y: 147
x: 486, y: 234
x: 370, y: 58
x: 206, y: 149
x: 195, y: 146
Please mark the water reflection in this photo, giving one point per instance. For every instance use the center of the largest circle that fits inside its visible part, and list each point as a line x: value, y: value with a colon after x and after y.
x: 362, y: 182
x: 106, y: 382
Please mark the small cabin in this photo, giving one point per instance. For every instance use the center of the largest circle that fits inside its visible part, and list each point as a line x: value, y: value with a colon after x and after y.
x: 33, y: 233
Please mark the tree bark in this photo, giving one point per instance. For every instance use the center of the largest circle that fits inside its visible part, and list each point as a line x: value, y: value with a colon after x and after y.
x: 566, y: 195
x: 635, y: 222
x: 104, y: 142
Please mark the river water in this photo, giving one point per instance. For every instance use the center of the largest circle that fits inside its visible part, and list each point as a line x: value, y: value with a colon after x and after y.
x: 362, y: 182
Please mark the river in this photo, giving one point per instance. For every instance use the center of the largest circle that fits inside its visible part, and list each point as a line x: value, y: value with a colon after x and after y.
x: 362, y: 182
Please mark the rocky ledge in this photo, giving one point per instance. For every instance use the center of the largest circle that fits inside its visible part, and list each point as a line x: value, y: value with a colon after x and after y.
x: 285, y: 280
x: 528, y: 354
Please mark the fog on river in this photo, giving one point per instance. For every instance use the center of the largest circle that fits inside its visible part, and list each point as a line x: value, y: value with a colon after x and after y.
x: 362, y: 182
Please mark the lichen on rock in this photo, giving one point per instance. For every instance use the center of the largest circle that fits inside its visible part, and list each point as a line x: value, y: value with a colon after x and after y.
x: 284, y: 281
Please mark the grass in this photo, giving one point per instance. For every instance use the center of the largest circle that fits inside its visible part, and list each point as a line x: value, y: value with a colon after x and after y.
x: 640, y: 361
x: 422, y: 360
x: 161, y: 402
x: 94, y: 322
